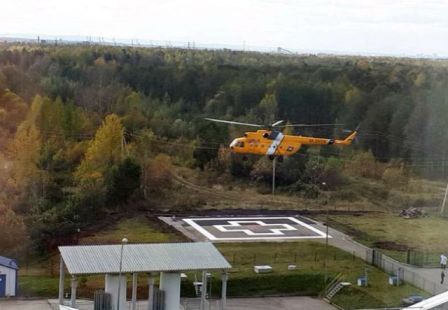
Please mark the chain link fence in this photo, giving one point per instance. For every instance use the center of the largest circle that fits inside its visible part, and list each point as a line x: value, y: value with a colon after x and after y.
x: 404, y: 272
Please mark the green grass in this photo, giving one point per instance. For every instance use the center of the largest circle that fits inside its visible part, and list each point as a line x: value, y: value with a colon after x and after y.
x: 422, y: 234
x: 39, y: 286
x: 377, y: 294
x: 137, y: 230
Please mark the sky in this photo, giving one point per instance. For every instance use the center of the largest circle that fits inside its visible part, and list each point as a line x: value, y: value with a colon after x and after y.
x: 385, y: 27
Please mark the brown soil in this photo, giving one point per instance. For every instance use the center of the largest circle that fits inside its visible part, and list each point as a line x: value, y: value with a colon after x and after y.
x: 390, y: 245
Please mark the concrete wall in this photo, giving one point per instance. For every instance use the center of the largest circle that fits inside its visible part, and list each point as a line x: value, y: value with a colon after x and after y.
x: 111, y: 287
x: 10, y: 280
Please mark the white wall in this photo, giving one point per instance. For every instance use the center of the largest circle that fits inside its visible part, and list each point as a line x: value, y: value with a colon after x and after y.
x: 111, y: 281
x: 170, y: 284
x: 10, y: 280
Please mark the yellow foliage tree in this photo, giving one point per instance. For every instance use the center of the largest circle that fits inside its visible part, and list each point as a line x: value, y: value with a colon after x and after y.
x: 25, y: 148
x: 104, y: 151
x: 12, y: 112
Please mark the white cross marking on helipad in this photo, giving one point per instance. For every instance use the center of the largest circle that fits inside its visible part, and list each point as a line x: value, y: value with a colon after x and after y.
x: 272, y: 231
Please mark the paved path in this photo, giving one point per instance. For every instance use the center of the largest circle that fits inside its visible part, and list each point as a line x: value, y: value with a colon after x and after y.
x: 287, y: 303
x: 269, y: 303
x: 24, y: 305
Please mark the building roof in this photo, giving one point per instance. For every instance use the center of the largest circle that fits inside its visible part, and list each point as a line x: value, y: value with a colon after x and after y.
x: 94, y: 259
x: 8, y: 262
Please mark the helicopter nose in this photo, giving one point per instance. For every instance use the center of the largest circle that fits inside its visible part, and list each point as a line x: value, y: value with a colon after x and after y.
x: 233, y: 144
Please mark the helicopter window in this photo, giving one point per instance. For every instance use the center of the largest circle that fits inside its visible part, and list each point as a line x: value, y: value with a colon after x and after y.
x: 240, y: 144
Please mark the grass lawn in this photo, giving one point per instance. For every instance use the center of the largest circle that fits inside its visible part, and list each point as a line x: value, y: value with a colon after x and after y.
x: 426, y: 234
x: 137, y: 230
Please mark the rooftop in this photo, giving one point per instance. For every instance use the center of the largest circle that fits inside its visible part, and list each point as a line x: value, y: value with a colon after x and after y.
x: 95, y: 259
x: 8, y: 262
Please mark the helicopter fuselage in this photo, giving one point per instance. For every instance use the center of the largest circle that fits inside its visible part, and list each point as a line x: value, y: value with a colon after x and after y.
x: 275, y: 143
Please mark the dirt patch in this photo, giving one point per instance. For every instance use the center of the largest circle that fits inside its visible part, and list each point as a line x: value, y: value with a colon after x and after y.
x: 390, y: 245
x: 253, y: 212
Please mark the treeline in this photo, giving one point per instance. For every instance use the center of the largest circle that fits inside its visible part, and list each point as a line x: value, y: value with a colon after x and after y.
x: 400, y: 104
x: 84, y: 130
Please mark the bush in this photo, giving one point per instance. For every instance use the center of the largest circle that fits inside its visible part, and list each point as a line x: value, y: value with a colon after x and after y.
x: 125, y: 179
x: 365, y: 165
x: 158, y: 174
x: 394, y: 177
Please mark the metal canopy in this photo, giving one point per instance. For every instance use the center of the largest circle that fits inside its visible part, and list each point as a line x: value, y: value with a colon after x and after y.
x: 94, y: 259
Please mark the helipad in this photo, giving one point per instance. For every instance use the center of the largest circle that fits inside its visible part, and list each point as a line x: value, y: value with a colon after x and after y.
x: 255, y: 228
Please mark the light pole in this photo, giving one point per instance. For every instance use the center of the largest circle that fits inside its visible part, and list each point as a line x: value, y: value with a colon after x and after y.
x: 123, y: 242
x: 273, y: 175
x: 324, y: 185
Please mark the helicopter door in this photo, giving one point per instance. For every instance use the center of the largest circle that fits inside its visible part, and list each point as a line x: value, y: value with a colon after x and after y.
x: 275, y: 143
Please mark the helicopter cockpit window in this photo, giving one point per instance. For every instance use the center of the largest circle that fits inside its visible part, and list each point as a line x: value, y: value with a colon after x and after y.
x: 240, y: 144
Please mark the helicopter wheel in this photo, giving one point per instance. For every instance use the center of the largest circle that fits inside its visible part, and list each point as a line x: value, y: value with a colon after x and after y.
x: 245, y: 158
x: 280, y: 159
x: 271, y: 157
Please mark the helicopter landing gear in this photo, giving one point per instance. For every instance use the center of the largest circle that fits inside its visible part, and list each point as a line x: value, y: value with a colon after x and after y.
x: 271, y: 157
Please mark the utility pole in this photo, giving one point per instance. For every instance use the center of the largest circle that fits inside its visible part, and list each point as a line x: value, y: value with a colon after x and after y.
x: 273, y: 175
x: 442, y: 207
x: 324, y: 185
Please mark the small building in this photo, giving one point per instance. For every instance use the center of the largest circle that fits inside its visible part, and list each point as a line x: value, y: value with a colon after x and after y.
x: 8, y: 277
x: 170, y: 260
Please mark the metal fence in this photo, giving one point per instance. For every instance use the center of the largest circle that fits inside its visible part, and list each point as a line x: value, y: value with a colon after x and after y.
x: 404, y: 272
x: 423, y: 259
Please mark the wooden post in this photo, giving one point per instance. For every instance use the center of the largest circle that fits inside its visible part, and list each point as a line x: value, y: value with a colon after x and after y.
x: 442, y: 207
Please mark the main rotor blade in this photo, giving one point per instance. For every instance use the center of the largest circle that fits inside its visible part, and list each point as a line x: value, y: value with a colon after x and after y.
x: 310, y: 125
x: 232, y: 122
x: 277, y: 123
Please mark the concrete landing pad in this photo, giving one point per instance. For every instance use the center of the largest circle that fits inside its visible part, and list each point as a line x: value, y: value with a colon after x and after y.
x: 256, y: 228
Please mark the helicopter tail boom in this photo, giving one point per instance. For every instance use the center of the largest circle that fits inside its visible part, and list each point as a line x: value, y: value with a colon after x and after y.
x: 348, y: 140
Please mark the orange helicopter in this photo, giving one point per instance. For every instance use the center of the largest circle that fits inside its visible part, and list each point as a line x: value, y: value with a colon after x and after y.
x: 274, y: 143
